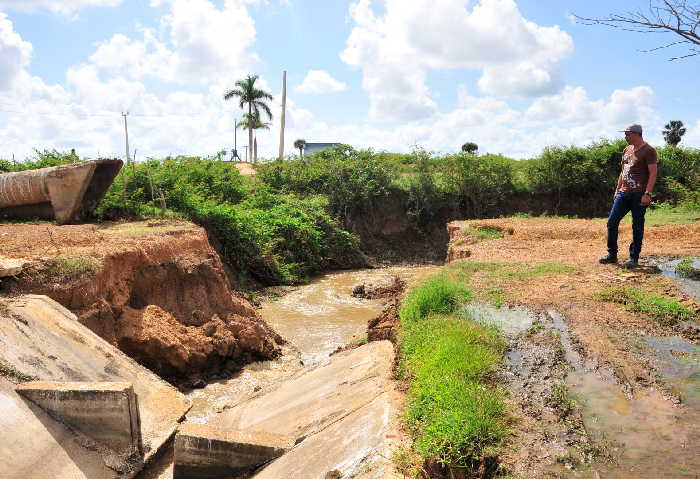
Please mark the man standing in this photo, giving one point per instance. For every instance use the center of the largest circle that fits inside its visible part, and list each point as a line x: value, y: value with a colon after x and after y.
x: 633, y: 193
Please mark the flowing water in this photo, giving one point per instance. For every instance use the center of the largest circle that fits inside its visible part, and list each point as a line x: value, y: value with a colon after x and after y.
x: 315, y: 319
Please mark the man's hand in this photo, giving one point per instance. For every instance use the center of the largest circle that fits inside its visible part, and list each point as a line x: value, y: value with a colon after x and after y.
x: 646, y: 199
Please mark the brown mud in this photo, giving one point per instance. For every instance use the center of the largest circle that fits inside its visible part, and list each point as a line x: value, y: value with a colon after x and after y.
x: 157, y: 290
x: 597, y: 391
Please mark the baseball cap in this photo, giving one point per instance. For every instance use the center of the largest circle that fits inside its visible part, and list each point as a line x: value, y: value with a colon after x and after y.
x: 633, y: 128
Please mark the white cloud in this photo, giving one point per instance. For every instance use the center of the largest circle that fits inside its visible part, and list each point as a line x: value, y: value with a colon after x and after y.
x: 517, y: 57
x: 65, y: 7
x: 15, y: 53
x: 319, y: 82
x: 201, y: 44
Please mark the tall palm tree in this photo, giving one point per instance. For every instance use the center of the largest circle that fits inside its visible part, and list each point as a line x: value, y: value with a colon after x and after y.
x: 255, y: 98
x: 673, y: 131
x: 300, y: 144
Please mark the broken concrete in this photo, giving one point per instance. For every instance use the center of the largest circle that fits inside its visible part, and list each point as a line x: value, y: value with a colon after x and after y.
x: 35, y: 446
x: 341, y: 414
x: 11, y: 266
x: 205, y: 452
x: 39, y: 337
x: 104, y: 411
x: 67, y: 193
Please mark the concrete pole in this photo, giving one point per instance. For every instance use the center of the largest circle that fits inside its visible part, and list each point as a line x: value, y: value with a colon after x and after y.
x: 126, y: 135
x: 284, y: 107
x: 255, y: 149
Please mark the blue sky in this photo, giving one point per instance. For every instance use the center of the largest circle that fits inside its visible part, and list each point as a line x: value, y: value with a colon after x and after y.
x: 512, y: 76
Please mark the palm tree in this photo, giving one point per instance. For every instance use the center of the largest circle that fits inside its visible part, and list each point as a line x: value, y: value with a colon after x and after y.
x: 256, y: 124
x: 255, y: 98
x: 673, y: 131
x: 299, y: 145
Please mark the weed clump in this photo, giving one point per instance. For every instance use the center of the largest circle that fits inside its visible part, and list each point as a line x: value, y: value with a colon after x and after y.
x: 13, y: 374
x: 687, y: 269
x: 483, y: 233
x: 664, y: 310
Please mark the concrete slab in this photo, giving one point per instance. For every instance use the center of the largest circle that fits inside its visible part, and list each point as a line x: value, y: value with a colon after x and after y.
x: 308, y: 403
x: 205, y: 452
x: 41, y: 338
x: 359, y: 445
x: 11, y: 266
x: 104, y: 411
x: 35, y: 446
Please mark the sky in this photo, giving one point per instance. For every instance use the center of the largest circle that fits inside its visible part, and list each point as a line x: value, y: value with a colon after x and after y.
x: 513, y: 76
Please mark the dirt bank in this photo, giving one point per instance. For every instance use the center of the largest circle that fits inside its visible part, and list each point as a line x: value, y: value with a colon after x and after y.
x: 156, y: 290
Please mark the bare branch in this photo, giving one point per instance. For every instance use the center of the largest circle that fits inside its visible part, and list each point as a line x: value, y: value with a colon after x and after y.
x: 676, y: 17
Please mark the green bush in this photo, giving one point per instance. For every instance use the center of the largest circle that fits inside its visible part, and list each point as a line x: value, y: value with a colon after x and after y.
x: 575, y: 172
x: 482, y: 184
x: 351, y: 179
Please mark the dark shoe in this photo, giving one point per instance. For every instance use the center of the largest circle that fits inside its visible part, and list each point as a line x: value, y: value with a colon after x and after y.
x: 631, y: 263
x: 609, y: 259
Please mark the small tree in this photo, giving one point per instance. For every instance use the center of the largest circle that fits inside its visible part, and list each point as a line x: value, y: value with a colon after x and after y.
x: 299, y: 145
x: 673, y: 131
x: 470, y: 147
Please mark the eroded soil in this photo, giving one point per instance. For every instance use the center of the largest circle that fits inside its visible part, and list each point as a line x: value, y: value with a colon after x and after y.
x: 157, y: 290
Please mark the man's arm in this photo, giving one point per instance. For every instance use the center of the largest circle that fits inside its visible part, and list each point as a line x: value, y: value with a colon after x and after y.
x: 653, y: 170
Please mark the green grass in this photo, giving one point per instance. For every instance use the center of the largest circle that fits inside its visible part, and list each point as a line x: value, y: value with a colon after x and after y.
x: 483, y: 233
x: 686, y: 269
x: 664, y: 310
x: 436, y: 295
x: 522, y: 271
x: 455, y: 415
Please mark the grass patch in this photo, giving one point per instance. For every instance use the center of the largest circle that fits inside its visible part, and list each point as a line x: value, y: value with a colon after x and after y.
x: 436, y: 295
x: 71, y: 268
x: 686, y: 269
x: 665, y: 214
x: 664, y: 310
x: 525, y: 271
x: 10, y: 372
x: 455, y: 416
x: 483, y: 233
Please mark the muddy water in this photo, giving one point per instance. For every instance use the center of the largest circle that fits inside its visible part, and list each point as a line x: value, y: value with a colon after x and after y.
x: 647, y: 434
x: 688, y: 286
x: 316, y: 319
x: 319, y: 317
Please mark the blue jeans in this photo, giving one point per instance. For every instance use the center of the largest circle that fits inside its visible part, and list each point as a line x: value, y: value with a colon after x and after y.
x: 623, y: 204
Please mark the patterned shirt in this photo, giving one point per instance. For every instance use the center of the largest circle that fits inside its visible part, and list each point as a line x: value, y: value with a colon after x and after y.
x: 635, y: 167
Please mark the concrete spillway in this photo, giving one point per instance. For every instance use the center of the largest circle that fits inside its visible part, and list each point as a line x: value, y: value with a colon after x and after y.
x: 67, y: 193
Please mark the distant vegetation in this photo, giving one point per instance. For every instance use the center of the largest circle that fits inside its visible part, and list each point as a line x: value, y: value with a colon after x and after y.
x: 296, y: 216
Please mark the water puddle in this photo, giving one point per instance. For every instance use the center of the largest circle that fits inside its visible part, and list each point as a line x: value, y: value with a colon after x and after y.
x: 647, y: 434
x: 510, y: 320
x: 688, y: 286
x: 679, y: 363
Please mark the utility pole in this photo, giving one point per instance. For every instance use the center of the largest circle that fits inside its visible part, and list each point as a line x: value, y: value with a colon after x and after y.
x: 255, y: 149
x: 246, y: 152
x: 126, y: 135
x: 284, y: 106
